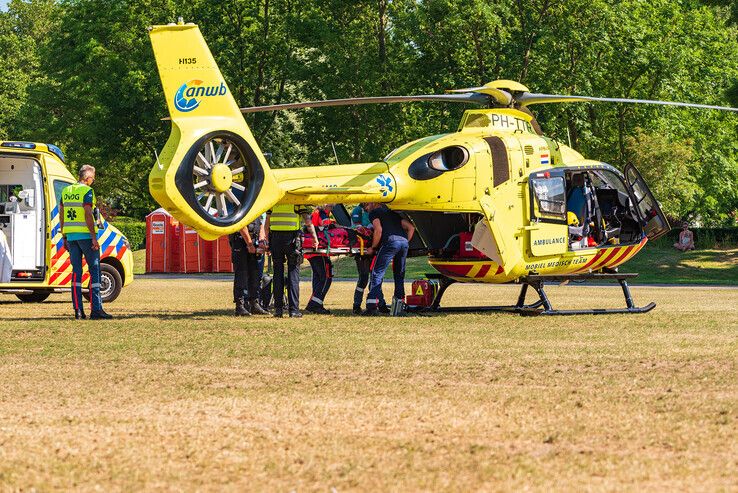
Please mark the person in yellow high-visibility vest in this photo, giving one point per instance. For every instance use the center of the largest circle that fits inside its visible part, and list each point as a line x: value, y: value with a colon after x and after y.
x: 79, y: 231
x: 284, y: 226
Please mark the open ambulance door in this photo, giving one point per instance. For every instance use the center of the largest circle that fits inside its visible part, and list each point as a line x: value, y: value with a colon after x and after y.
x: 655, y: 224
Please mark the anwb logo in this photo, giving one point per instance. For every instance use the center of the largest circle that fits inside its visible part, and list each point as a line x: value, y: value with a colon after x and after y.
x: 190, y: 94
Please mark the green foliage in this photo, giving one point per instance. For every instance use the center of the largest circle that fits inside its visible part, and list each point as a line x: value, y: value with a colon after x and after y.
x: 24, y: 30
x: 82, y: 75
x: 667, y: 168
x: 132, y: 229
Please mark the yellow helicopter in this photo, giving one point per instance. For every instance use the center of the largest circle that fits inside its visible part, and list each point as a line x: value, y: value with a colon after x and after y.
x: 494, y: 202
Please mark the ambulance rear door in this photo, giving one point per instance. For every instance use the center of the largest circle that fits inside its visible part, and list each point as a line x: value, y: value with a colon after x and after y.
x: 23, y: 214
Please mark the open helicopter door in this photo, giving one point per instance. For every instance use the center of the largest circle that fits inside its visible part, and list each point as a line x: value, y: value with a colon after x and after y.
x: 495, y: 237
x: 655, y: 224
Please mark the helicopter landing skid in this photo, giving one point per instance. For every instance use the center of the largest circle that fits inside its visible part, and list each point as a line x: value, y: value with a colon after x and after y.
x: 543, y: 305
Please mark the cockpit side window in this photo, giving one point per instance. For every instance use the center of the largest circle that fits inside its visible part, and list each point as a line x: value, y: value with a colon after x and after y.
x: 549, y: 197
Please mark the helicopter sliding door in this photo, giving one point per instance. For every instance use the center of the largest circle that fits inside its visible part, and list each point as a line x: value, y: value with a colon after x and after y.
x: 548, y: 227
x: 654, y: 222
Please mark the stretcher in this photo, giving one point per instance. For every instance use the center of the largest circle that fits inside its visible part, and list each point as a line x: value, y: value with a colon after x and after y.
x: 338, y: 241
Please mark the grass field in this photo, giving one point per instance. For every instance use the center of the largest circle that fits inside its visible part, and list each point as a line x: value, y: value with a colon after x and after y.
x: 176, y: 394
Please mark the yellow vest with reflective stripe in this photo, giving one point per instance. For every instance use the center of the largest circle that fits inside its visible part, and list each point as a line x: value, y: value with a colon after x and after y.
x: 284, y: 218
x: 73, y: 198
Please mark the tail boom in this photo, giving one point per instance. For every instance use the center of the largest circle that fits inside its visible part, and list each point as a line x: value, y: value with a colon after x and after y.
x: 346, y: 183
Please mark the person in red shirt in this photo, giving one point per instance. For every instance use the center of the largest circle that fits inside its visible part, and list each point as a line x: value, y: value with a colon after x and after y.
x: 320, y: 263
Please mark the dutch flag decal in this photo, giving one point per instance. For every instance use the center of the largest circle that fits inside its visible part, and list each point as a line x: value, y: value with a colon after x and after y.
x: 544, y: 159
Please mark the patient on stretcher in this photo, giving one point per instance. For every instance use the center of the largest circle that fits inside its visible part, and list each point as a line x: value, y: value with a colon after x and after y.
x: 338, y: 240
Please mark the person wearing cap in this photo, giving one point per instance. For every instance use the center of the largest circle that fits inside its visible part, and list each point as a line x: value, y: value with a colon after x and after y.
x: 320, y: 263
x: 391, y: 241
x: 77, y: 210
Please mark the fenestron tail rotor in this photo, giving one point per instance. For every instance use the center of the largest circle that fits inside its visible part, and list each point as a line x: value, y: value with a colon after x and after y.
x: 219, y: 177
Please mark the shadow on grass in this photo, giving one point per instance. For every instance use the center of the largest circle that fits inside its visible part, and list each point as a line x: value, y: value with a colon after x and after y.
x: 47, y: 302
x: 216, y: 313
x: 197, y: 315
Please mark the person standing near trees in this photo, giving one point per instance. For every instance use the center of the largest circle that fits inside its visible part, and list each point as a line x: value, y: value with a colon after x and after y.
x: 79, y: 230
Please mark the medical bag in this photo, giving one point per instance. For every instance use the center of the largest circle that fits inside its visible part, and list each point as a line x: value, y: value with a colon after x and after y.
x: 422, y: 293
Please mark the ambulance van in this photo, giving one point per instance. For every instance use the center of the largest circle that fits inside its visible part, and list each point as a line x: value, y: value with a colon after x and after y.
x: 32, y: 177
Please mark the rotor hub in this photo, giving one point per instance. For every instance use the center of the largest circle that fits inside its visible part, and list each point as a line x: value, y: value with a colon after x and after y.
x: 221, y: 178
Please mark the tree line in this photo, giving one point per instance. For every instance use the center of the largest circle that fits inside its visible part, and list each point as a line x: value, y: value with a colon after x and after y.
x: 81, y: 74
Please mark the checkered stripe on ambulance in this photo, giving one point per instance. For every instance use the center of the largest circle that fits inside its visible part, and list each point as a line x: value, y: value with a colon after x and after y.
x: 112, y: 244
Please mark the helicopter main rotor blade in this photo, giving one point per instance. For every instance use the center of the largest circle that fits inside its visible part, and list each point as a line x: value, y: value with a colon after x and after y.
x: 448, y: 98
x: 503, y: 98
x: 528, y: 98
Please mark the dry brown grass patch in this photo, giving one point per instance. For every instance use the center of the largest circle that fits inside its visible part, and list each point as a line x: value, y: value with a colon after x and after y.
x: 183, y: 396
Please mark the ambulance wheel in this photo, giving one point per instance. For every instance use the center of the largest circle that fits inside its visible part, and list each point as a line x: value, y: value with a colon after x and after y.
x: 35, y: 297
x: 110, y: 284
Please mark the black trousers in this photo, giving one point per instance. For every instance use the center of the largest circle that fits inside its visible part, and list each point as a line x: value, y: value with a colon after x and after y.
x: 246, y: 273
x: 286, y: 247
x: 364, y: 268
x: 322, y: 268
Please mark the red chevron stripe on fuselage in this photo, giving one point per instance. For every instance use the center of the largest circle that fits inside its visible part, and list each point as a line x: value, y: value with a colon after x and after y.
x: 633, y: 251
x: 592, y: 261
x: 608, y: 257
x: 483, y: 271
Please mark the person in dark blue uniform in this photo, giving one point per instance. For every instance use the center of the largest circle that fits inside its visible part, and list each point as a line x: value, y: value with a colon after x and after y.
x: 320, y: 263
x: 246, y: 274
x: 77, y: 211
x: 392, y: 235
x: 360, y: 217
x: 285, y: 242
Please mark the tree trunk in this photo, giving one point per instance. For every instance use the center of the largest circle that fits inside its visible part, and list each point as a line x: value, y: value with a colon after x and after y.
x: 382, y: 44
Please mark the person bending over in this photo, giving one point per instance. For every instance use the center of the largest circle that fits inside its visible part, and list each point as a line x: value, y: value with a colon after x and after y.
x: 392, y: 235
